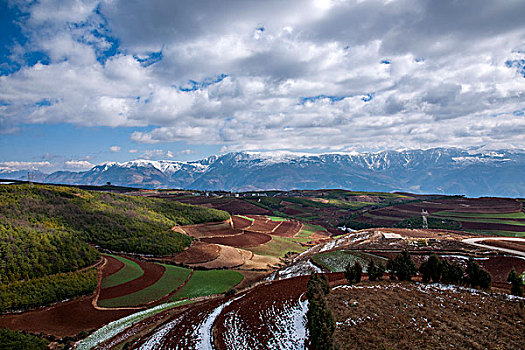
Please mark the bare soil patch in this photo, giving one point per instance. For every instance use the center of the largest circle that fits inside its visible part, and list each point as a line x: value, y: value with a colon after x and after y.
x: 500, y: 266
x: 247, y: 239
x: 506, y: 244
x: 263, y: 224
x: 211, y: 229
x: 65, y: 319
x: 402, y: 316
x: 152, y: 273
x: 288, y: 229
x: 229, y: 257
x: 241, y: 223
x: 491, y: 226
x: 112, y: 266
x: 198, y: 252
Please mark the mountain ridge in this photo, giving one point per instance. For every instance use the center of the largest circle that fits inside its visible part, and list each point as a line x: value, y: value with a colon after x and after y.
x: 437, y: 170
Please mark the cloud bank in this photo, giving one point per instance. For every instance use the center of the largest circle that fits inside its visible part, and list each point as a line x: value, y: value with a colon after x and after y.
x: 329, y: 75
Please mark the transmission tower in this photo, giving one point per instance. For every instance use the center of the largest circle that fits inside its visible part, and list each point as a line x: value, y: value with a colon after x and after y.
x: 424, y: 215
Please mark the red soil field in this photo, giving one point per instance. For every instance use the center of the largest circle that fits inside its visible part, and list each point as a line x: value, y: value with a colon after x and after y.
x: 292, y: 211
x: 519, y: 246
x: 65, y: 319
x: 500, y: 266
x: 288, y: 229
x: 112, y: 266
x: 198, y: 252
x: 247, y: 239
x: 240, y: 223
x: 491, y: 226
x: 152, y: 273
x: 238, y: 206
x: 263, y: 224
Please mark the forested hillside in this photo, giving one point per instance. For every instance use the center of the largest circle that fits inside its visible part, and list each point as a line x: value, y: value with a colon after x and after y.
x: 45, y: 230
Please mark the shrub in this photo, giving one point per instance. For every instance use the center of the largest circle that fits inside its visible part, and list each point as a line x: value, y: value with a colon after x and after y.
x: 403, y: 266
x: 451, y: 273
x: 516, y: 281
x: 16, y: 340
x: 476, y: 276
x: 353, y: 273
x: 431, y: 269
x: 375, y: 272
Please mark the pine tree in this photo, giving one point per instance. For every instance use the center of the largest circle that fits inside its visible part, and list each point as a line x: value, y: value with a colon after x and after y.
x: 353, y: 273
x: 375, y: 272
x: 516, y: 283
x: 321, y: 323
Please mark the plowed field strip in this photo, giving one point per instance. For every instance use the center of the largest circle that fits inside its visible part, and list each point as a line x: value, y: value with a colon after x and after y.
x: 112, y: 266
x: 152, y: 273
x: 170, y: 281
x: 129, y: 272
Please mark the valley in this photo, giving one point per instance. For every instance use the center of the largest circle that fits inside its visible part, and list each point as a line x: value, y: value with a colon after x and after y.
x: 237, y: 276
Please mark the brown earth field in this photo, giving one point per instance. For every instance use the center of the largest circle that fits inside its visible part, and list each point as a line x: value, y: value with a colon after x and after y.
x: 112, y: 266
x: 500, y: 266
x: 198, y: 252
x: 388, y: 315
x: 210, y: 229
x: 263, y: 224
x: 288, y: 229
x: 64, y: 319
x: 247, y: 239
x: 505, y: 244
x: 231, y: 205
x: 152, y: 273
x: 240, y: 223
x: 492, y: 226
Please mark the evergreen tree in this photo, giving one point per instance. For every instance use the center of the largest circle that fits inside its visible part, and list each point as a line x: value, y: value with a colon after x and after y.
x: 353, y: 273
x: 321, y: 323
x: 431, y: 269
x: 451, y: 273
x: 403, y: 266
x: 375, y: 272
x: 476, y: 276
x: 516, y: 283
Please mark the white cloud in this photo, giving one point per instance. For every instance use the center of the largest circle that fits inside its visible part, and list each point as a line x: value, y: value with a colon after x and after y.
x: 11, y: 166
x: 133, y: 151
x: 444, y: 80
x: 114, y: 148
x: 78, y: 165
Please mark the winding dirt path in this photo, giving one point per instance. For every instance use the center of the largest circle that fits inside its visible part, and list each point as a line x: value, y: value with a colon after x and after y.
x: 473, y: 241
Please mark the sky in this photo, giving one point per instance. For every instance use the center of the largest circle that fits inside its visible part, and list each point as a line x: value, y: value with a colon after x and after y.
x: 88, y: 81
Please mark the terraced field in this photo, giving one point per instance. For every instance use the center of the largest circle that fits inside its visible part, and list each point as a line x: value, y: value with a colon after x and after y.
x: 204, y: 283
x: 172, y: 278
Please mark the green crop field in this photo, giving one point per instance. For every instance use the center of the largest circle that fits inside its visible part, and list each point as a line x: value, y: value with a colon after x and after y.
x: 210, y: 282
x: 516, y: 215
x: 172, y: 278
x: 336, y: 261
x: 129, y: 272
x: 279, y: 246
x: 277, y: 218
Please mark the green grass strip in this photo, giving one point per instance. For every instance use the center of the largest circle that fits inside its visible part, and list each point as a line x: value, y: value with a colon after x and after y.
x: 210, y: 282
x: 277, y: 218
x: 498, y: 233
x: 129, y: 272
x: 245, y: 217
x: 172, y: 278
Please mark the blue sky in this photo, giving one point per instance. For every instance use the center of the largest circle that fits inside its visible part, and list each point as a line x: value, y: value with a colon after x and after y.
x: 88, y: 81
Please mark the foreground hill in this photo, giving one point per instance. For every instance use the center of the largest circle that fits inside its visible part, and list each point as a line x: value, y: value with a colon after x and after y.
x: 444, y: 171
x: 45, y: 231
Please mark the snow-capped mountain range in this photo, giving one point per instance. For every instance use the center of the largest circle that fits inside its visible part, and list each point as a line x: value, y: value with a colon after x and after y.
x: 439, y: 170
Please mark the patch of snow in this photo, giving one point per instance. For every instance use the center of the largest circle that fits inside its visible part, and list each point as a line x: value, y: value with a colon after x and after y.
x: 115, y: 327
x: 155, y: 340
x: 204, y: 336
x: 302, y: 268
x: 289, y: 335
